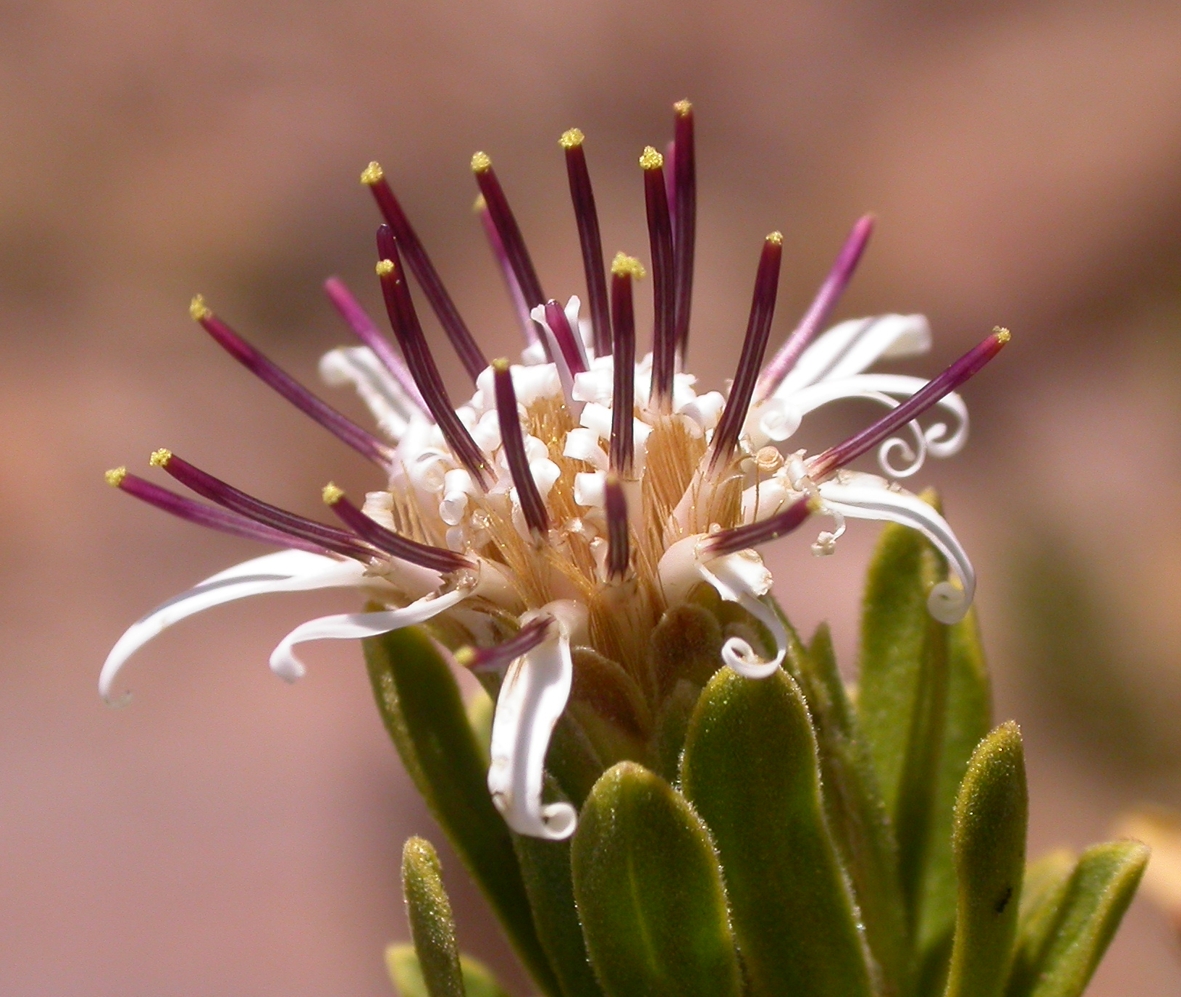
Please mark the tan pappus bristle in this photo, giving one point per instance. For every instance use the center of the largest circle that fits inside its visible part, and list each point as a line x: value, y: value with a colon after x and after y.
x: 198, y: 309
x: 372, y: 174
x: 571, y: 137
x: 775, y: 238
x: 331, y: 494
x: 682, y: 107
x: 115, y: 476
x: 624, y: 264
x: 384, y: 268
x: 650, y: 159
x: 1002, y: 334
x: 160, y: 458
x: 481, y: 162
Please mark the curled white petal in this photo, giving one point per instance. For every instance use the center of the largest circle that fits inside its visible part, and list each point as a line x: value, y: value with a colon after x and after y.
x: 583, y: 444
x: 285, y: 571
x: 385, y: 397
x: 531, y: 700
x: 590, y: 488
x: 853, y: 346
x: 865, y: 496
x: 355, y: 626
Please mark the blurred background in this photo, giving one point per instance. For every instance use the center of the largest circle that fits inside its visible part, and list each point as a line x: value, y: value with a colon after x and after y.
x: 229, y: 834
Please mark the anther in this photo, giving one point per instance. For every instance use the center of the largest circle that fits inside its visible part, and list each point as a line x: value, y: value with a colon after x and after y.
x: 424, y: 271
x: 510, y: 233
x: 765, y: 530
x: 960, y: 371
x: 623, y: 324
x: 618, y: 542
x: 270, y: 374
x: 818, y: 312
x: 585, y: 215
x: 754, y: 345
x: 664, y: 343
x: 528, y: 326
x: 568, y: 340
x: 684, y: 218
x: 404, y: 321
x: 435, y: 558
x: 532, y: 504
x: 496, y: 659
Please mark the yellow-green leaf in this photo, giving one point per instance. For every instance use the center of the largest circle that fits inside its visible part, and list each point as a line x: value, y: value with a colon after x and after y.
x: 431, y: 925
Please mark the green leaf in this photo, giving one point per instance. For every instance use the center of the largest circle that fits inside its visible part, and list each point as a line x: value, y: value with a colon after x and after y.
x: 649, y: 892
x: 431, y: 924
x: 1078, y: 922
x: 989, y: 846
x: 750, y: 769
x: 855, y: 810
x: 402, y: 964
x: 423, y: 712
x: 1045, y: 885
x: 968, y: 721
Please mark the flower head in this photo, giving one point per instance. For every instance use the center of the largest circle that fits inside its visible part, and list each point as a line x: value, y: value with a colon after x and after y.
x: 578, y: 495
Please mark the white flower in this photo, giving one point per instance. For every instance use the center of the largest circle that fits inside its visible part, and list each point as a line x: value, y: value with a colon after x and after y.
x: 578, y: 495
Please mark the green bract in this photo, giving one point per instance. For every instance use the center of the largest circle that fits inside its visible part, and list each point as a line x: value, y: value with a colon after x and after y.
x: 780, y: 836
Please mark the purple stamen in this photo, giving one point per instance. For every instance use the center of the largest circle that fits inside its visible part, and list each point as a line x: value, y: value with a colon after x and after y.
x: 238, y: 501
x: 664, y: 343
x: 684, y: 219
x: 208, y: 516
x: 583, y: 197
x: 618, y: 541
x: 513, y: 442
x: 269, y: 373
x: 567, y: 340
x: 960, y: 371
x: 404, y: 321
x: 758, y: 329
x: 753, y: 534
x: 366, y: 330
x: 510, y: 232
x: 822, y: 305
x: 528, y: 326
x: 424, y: 271
x: 623, y: 324
x: 496, y: 659
x: 426, y: 555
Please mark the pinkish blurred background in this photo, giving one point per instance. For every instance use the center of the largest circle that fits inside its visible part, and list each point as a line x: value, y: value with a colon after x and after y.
x: 227, y: 834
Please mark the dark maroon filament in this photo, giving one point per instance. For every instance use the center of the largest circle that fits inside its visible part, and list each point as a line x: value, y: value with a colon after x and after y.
x: 753, y: 534
x: 568, y: 340
x: 587, y: 218
x: 404, y: 321
x: 211, y: 516
x: 623, y: 325
x: 684, y: 218
x: 513, y: 442
x: 269, y: 373
x: 510, y: 232
x: 436, y: 558
x: 497, y: 659
x: 818, y: 312
x: 664, y: 343
x: 758, y: 329
x: 238, y: 501
x: 918, y: 403
x: 366, y: 330
x: 424, y: 271
x: 528, y: 326
x: 618, y: 542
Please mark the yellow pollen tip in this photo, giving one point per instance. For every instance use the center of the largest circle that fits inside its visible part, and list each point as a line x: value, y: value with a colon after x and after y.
x: 481, y: 162
x: 465, y: 657
x: 331, y: 494
x: 384, y: 268
x: 775, y: 238
x: 571, y: 137
x: 198, y: 309
x: 682, y: 108
x: 479, y: 204
x: 500, y: 363
x: 115, y: 476
x: 1002, y: 335
x: 650, y: 159
x: 160, y: 458
x: 629, y: 265
x: 372, y: 174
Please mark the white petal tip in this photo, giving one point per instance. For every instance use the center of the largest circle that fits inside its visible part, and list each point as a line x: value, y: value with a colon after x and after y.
x: 741, y: 657
x: 559, y: 821
x: 948, y: 604
x: 288, y: 669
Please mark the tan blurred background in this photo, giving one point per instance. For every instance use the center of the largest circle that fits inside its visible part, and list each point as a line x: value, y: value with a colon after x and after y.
x: 227, y: 834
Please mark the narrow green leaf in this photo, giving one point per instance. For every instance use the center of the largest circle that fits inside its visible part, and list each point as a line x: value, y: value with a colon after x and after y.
x: 1078, y: 927
x: 1042, y: 892
x: 649, y: 892
x: 402, y: 964
x: 480, y: 710
x: 989, y: 846
x: 423, y: 712
x: 431, y: 925
x: 856, y: 812
x: 750, y: 769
